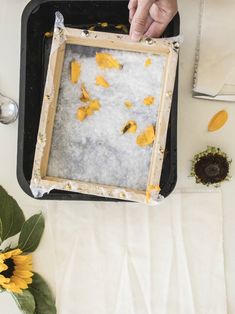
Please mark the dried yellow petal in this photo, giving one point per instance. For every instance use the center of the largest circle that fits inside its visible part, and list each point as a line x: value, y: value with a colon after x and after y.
x: 89, y: 111
x: 48, y: 34
x: 122, y: 27
x: 150, y: 189
x: 148, y: 101
x: 147, y: 137
x: 218, y: 121
x: 94, y: 104
x: 128, y: 104
x: 148, y: 62
x: 81, y: 113
x: 103, y: 24
x: 101, y: 81
x: 91, y: 28
x: 106, y: 61
x: 75, y: 71
x: 130, y: 127
x: 85, y: 95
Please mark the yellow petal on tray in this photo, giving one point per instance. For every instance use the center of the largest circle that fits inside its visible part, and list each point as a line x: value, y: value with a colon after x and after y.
x: 106, y: 61
x: 85, y: 95
x: 103, y: 24
x: 101, y: 81
x: 150, y: 189
x: 94, y: 104
x: 91, y: 28
x: 75, y: 71
x: 147, y: 137
x: 122, y: 27
x: 148, y: 101
x: 128, y: 104
x: 218, y: 121
x: 130, y: 127
x: 81, y: 113
x: 148, y: 62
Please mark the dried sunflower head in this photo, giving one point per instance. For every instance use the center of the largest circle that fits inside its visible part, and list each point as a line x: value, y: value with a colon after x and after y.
x: 211, y: 167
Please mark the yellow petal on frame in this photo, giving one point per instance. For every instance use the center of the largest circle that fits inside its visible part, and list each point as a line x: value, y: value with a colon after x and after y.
x: 106, y: 61
x: 149, y: 190
x: 101, y: 81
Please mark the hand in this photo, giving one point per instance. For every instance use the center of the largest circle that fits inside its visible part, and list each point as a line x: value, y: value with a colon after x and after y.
x: 150, y: 17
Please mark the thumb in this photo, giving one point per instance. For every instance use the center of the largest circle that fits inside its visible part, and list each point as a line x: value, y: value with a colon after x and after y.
x: 139, y: 21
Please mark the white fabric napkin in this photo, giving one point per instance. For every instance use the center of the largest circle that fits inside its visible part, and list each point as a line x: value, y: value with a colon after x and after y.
x: 116, y: 258
x: 215, y: 64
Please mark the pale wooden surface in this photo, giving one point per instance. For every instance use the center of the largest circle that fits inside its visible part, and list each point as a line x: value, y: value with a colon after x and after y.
x: 194, y: 115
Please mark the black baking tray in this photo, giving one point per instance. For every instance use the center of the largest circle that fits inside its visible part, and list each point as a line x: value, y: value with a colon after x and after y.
x: 37, y: 19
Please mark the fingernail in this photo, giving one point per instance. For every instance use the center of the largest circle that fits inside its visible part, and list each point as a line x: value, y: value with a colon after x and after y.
x: 136, y: 36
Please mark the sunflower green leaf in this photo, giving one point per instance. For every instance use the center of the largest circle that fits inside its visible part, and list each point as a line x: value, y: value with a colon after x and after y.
x: 11, y: 215
x: 31, y: 233
x: 25, y: 301
x: 45, y: 303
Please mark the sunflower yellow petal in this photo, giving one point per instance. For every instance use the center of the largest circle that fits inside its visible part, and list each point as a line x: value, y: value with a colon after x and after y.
x: 24, y: 267
x: 3, y: 267
x: 12, y: 253
x: 23, y: 274
x: 12, y: 287
x: 4, y: 279
x: 22, y: 259
x: 28, y: 280
x: 19, y: 282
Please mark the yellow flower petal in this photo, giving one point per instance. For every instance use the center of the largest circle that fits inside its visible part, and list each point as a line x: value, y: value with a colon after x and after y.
x: 148, y: 62
x: 23, y: 274
x: 24, y: 267
x: 3, y: 267
x: 106, y: 61
x: 128, y: 104
x: 28, y: 280
x: 75, y: 71
x: 130, y: 127
x: 101, y: 81
x: 150, y: 189
x: 81, y: 113
x: 147, y: 137
x: 12, y: 287
x: 12, y: 253
x: 19, y: 282
x: 4, y: 280
x: 23, y: 259
x: 94, y: 104
x: 148, y: 101
x: 85, y: 95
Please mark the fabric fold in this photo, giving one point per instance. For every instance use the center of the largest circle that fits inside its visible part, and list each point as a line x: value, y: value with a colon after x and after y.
x: 130, y: 258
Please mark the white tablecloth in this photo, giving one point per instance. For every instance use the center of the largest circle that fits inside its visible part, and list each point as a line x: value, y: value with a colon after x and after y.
x: 192, y: 124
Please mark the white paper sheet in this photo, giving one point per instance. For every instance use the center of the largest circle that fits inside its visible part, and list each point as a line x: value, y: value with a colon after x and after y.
x: 115, y: 258
x: 214, y: 77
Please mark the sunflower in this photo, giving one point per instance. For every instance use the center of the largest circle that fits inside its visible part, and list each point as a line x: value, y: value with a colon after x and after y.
x: 15, y: 271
